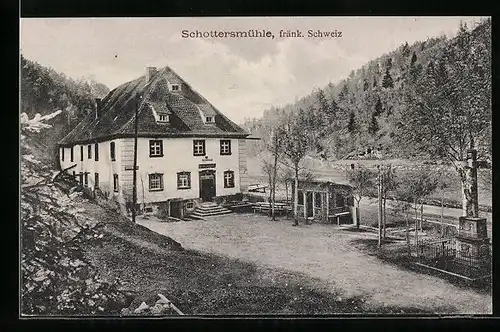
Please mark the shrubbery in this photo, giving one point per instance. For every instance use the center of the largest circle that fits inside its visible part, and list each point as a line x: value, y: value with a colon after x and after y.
x: 56, y: 279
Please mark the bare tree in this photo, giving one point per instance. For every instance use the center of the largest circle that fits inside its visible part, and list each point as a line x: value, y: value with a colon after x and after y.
x: 297, y: 141
x: 285, y: 176
x: 362, y: 180
x: 412, y: 187
x: 388, y: 185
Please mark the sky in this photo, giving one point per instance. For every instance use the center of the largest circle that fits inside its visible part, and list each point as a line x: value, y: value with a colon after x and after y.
x: 242, y: 77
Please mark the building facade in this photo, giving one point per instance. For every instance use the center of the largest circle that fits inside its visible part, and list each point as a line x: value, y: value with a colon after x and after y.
x: 187, y: 150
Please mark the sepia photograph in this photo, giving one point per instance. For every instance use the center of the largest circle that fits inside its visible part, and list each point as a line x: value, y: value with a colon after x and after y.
x: 255, y: 166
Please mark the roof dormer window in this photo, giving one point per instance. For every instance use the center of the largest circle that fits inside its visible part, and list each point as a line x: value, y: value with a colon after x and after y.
x: 209, y: 119
x: 164, y: 118
x: 176, y: 87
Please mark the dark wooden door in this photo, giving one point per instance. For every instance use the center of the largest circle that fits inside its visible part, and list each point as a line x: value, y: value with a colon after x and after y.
x: 207, y: 185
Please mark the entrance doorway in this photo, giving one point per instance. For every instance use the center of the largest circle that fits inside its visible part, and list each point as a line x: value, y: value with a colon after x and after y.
x: 207, y: 185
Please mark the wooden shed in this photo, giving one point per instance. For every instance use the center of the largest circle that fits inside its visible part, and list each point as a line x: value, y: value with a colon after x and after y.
x: 324, y: 201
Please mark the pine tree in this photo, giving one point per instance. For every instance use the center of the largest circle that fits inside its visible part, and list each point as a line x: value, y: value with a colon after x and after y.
x: 405, y: 50
x: 388, y: 64
x: 378, y: 107
x: 343, y: 93
x: 351, y: 127
x: 413, y: 59
x: 373, y: 127
x: 365, y: 85
x: 387, y: 81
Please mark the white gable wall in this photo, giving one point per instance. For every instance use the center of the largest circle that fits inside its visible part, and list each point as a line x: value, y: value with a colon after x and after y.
x: 105, y: 167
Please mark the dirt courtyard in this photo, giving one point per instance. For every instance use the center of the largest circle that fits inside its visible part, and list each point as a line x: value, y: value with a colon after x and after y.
x: 327, y: 254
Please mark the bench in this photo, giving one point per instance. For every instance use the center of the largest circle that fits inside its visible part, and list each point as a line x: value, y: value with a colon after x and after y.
x: 338, y: 215
x: 267, y: 207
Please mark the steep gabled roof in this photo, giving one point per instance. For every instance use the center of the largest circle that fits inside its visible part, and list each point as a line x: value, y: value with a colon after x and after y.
x: 186, y: 107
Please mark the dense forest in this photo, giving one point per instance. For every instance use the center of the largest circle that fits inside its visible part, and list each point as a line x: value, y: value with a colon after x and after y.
x: 44, y: 91
x: 369, y: 109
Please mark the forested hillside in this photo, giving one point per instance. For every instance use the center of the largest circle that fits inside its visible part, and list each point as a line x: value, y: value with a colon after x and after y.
x: 367, y: 109
x: 44, y: 91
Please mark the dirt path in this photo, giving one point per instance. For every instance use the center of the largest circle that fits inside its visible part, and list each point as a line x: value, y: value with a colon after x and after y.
x: 326, y: 253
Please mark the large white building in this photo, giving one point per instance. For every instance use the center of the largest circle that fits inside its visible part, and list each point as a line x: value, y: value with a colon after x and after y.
x: 187, y: 150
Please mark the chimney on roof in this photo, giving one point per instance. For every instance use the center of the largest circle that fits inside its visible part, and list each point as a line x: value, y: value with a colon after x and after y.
x: 150, y: 71
x: 97, y: 107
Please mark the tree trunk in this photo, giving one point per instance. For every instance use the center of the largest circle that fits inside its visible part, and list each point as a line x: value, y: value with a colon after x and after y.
x: 296, y: 196
x: 275, y: 171
x: 384, y: 218
x: 416, y: 227
x: 379, y: 208
x: 356, y: 215
x: 408, y: 233
x: 286, y: 191
x: 442, y: 213
x: 421, y: 217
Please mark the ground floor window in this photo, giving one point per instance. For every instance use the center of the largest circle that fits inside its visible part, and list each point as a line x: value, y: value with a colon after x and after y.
x: 228, y: 179
x: 86, y: 178
x: 115, y: 182
x: 81, y: 178
x: 183, y: 180
x: 96, y: 178
x: 189, y: 205
x: 155, y: 181
x: 301, y: 197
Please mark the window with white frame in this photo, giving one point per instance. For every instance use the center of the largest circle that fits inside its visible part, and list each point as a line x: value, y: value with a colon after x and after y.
x: 96, y: 180
x: 190, y: 205
x: 89, y: 151
x: 71, y: 154
x: 81, y: 152
x: 228, y: 179
x: 156, y: 148
x: 155, y: 182
x: 163, y: 118
x: 198, y: 147
x: 62, y: 154
x: 209, y: 119
x: 86, y: 179
x: 175, y: 87
x: 225, y: 147
x: 183, y: 180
